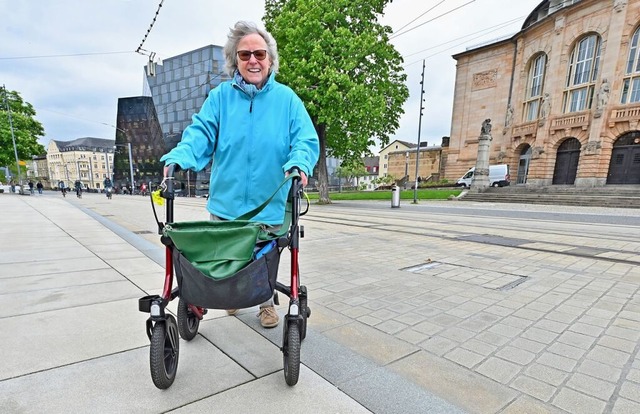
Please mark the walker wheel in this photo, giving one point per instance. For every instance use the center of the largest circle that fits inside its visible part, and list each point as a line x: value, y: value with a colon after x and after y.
x: 164, y: 352
x: 188, y: 323
x: 291, y: 353
x: 305, y: 311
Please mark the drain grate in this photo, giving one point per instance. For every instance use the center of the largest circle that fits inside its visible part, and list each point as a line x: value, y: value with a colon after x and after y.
x: 488, y: 279
x: 143, y: 232
x: 420, y: 267
x: 511, y: 285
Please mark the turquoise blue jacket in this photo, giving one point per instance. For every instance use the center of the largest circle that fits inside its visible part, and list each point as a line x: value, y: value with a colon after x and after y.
x: 253, y: 142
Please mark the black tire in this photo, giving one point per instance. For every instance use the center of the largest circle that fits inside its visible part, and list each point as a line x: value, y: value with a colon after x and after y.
x: 188, y: 323
x: 164, y: 352
x: 291, y: 354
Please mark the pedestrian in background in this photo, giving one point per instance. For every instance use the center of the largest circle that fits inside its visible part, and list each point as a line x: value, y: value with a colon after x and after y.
x: 39, y: 187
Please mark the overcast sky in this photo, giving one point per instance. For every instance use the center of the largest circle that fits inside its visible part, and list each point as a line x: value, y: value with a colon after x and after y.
x: 73, y: 59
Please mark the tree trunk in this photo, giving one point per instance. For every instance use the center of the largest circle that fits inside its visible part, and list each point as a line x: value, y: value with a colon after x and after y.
x: 323, y: 176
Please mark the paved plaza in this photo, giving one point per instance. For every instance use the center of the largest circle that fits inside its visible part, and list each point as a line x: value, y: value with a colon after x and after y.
x: 440, y: 307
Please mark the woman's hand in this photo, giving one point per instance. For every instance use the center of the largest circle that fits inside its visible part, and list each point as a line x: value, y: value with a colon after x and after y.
x: 303, y: 177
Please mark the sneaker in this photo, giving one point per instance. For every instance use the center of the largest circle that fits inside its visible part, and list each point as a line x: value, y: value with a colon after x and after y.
x: 268, y: 317
x: 232, y: 312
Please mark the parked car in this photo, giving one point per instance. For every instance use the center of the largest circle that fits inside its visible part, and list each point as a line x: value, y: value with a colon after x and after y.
x: 6, y: 188
x: 498, y: 176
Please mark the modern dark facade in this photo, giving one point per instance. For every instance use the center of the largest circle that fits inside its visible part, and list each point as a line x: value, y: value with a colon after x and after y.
x: 137, y: 123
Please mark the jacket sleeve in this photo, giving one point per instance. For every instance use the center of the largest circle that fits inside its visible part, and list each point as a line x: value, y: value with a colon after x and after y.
x: 305, y: 146
x: 195, y: 149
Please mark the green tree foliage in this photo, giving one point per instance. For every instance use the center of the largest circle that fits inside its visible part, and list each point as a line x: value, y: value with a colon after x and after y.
x: 26, y: 129
x: 352, y: 169
x: 339, y: 60
x: 385, y: 180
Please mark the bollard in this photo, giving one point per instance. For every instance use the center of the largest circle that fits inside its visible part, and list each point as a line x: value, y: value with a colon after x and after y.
x: 395, y: 197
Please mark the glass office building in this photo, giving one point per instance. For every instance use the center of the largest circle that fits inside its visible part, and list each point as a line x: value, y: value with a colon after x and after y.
x: 179, y: 87
x: 137, y: 123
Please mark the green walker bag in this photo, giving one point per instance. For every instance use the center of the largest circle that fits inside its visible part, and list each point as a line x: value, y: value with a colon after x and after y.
x: 216, y: 248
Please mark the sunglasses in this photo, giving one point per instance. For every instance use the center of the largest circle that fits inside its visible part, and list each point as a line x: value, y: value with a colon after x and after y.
x: 245, y: 55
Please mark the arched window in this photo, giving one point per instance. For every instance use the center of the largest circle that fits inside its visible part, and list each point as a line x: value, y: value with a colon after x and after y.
x: 535, y: 83
x: 631, y: 83
x: 582, y: 74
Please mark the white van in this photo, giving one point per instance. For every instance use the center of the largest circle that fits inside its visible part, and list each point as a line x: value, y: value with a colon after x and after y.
x: 498, y: 176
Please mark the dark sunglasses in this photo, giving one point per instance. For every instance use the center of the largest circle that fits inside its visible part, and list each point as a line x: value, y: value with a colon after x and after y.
x: 245, y: 55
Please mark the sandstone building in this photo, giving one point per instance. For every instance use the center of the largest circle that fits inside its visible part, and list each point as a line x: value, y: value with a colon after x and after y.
x: 563, y: 95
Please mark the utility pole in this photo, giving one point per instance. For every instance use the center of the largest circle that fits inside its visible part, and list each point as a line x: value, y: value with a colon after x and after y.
x: 415, y: 187
x: 13, y: 138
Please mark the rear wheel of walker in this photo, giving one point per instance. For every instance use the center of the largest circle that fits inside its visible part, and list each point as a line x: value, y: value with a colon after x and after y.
x: 164, y: 352
x: 305, y: 311
x: 188, y: 323
x: 291, y: 354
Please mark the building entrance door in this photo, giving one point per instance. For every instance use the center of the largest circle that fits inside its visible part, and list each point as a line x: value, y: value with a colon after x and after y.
x: 624, y: 167
x: 523, y: 165
x: 567, y: 160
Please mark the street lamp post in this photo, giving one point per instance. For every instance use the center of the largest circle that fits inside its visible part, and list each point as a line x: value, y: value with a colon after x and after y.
x: 91, y: 174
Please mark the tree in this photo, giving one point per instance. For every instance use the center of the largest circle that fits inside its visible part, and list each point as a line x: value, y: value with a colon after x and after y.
x: 26, y: 129
x: 338, y: 59
x: 352, y: 169
x: 385, y: 180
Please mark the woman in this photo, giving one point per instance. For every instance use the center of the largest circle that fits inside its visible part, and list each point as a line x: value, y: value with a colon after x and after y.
x: 256, y: 130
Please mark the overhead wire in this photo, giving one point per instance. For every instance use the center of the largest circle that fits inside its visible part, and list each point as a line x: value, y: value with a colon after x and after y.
x: 483, y: 31
x: 433, y: 7
x: 429, y: 21
x: 144, y: 39
x: 65, y: 55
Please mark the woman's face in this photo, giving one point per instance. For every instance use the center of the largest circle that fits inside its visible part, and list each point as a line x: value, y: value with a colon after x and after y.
x: 253, y: 71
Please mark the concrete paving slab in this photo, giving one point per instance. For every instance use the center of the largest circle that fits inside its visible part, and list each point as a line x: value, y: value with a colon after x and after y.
x: 121, y: 383
x: 136, y: 265
x: 242, y: 344
x: 22, y: 303
x: 47, y: 267
x: 314, y: 395
x: 56, y: 281
x: 46, y: 340
x: 62, y: 251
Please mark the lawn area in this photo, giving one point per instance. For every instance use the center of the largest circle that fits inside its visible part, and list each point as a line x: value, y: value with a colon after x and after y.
x: 423, y: 194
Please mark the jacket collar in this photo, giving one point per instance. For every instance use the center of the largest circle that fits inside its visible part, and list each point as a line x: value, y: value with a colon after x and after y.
x: 249, y: 89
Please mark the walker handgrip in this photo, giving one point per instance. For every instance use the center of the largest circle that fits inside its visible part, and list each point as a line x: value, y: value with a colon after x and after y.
x: 168, y: 192
x: 171, y: 169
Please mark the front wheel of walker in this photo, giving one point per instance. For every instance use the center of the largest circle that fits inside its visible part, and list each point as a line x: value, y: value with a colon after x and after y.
x: 291, y: 353
x: 164, y: 352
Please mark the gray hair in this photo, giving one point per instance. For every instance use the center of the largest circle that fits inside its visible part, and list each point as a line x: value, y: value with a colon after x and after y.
x: 236, y: 33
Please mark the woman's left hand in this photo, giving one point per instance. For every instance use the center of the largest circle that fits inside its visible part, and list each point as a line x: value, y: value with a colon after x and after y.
x: 303, y: 177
